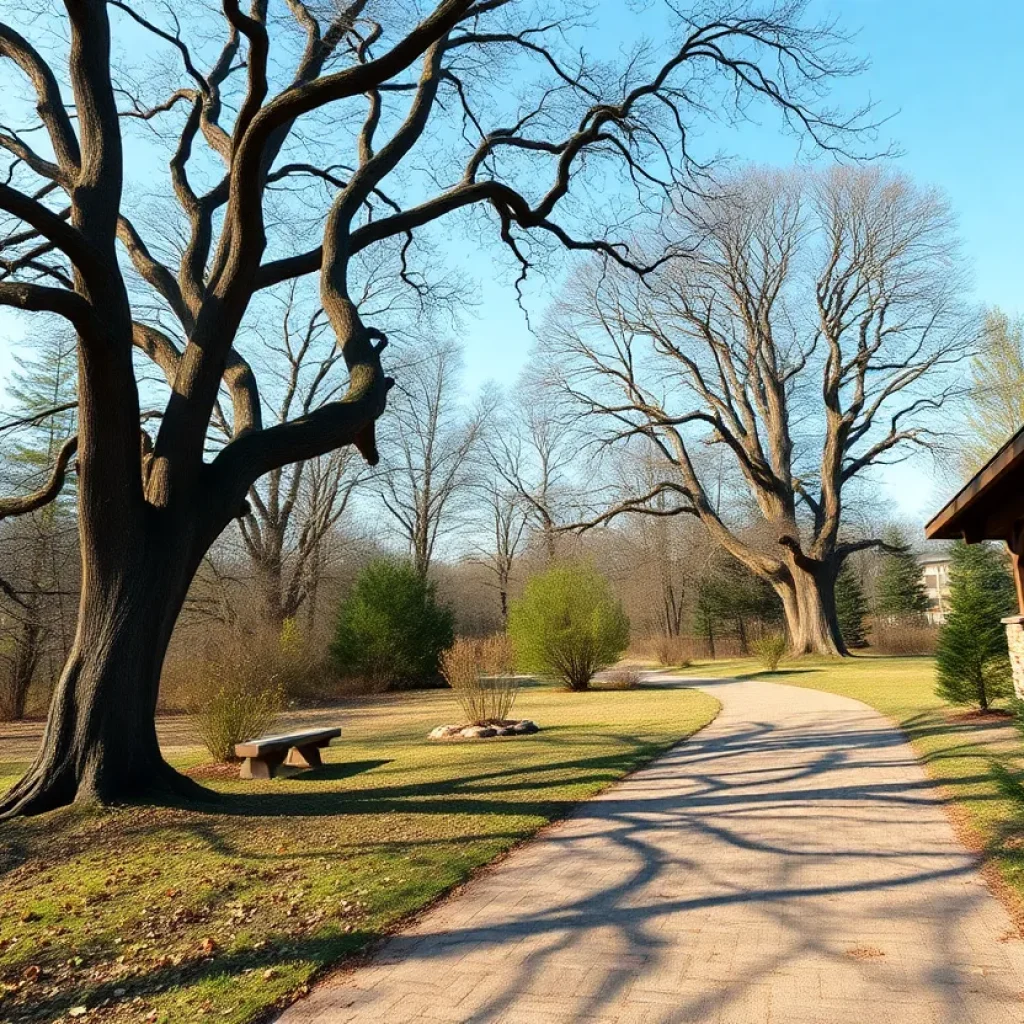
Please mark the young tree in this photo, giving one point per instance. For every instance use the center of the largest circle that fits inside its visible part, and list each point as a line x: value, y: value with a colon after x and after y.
x: 972, y: 661
x: 899, y: 589
x: 506, y: 519
x: 567, y: 625
x: 391, y: 629
x: 806, y: 339
x: 851, y: 608
x: 284, y: 164
x: 995, y: 401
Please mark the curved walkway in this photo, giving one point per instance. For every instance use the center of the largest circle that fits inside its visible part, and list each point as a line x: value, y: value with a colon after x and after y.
x: 792, y: 863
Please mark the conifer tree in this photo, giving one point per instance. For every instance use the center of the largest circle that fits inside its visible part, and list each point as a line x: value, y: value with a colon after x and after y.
x: 851, y: 608
x: 972, y: 660
x: 900, y: 589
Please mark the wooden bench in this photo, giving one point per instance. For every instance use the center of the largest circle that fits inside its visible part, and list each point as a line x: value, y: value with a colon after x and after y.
x: 296, y: 750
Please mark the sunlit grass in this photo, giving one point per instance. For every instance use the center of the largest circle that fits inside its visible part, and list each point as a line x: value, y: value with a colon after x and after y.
x: 176, y: 915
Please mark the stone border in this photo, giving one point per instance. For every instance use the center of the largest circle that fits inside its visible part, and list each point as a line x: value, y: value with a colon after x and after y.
x: 524, y: 727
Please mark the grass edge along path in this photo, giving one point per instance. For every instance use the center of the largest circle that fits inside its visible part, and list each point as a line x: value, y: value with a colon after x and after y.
x: 977, y: 760
x: 177, y: 915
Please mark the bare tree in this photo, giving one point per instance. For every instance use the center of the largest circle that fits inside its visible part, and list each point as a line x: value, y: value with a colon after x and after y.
x: 295, y: 507
x: 506, y: 517
x: 531, y: 447
x: 421, y: 125
x: 806, y: 337
x: 430, y: 471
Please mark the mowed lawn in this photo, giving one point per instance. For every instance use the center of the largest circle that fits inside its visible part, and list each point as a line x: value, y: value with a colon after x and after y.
x: 218, y: 912
x: 978, y: 759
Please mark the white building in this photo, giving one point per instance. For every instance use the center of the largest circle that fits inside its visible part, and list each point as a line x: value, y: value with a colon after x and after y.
x: 935, y: 577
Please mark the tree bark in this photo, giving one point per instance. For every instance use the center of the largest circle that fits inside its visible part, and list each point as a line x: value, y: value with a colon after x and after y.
x: 100, y: 743
x: 809, y: 607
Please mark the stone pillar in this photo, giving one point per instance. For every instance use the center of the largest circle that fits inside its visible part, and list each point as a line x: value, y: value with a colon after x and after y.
x: 1015, y: 641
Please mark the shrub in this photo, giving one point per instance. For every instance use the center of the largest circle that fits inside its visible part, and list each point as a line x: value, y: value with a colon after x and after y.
x: 391, y: 629
x: 567, y: 625
x: 769, y: 650
x: 972, y: 660
x: 673, y: 651
x: 621, y: 679
x: 482, y: 676
x: 903, y: 637
x: 233, y: 699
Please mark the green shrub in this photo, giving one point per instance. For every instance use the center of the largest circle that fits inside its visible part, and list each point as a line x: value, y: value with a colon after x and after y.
x: 391, y: 629
x: 567, y: 625
x: 233, y: 699
x: 769, y: 650
x: 971, y: 658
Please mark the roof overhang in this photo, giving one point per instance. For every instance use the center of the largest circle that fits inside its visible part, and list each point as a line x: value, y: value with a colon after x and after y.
x: 989, y: 505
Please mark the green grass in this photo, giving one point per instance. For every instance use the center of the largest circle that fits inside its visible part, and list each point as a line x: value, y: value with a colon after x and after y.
x: 181, y: 914
x: 978, y: 759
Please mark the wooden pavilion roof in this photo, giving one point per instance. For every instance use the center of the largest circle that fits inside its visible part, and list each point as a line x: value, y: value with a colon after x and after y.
x: 989, y: 505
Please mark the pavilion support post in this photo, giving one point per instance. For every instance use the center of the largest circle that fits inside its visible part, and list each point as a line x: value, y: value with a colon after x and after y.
x: 1015, y: 623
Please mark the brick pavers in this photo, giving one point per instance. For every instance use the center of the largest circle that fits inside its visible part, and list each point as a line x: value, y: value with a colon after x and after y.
x: 792, y: 863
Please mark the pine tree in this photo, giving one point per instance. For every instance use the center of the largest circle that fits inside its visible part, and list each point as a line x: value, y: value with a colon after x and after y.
x: 972, y: 660
x: 851, y: 608
x: 900, y: 588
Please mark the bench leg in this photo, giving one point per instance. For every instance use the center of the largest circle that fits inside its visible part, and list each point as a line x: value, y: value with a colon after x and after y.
x: 261, y: 767
x: 304, y: 757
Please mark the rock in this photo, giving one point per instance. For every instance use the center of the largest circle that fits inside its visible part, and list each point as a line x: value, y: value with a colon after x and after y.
x: 443, y: 732
x: 525, y: 728
x: 504, y: 730
x: 478, y: 732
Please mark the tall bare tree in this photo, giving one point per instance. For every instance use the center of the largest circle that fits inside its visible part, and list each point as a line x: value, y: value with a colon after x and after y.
x: 807, y: 337
x: 429, y: 474
x: 406, y: 118
x: 506, y: 517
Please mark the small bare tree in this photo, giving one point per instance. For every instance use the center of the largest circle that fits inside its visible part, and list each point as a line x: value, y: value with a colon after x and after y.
x: 806, y: 337
x: 506, y: 517
x: 388, y: 119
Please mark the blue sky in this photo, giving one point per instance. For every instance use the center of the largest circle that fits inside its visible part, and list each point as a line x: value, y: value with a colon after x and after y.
x: 945, y: 71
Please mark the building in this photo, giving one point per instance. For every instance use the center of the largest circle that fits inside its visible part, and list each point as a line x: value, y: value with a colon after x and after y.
x: 935, y: 578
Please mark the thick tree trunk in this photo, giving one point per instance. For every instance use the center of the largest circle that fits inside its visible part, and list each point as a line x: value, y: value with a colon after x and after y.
x: 100, y: 742
x: 809, y: 606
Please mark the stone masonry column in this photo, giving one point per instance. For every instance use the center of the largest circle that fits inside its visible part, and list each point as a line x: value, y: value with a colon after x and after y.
x: 1015, y: 640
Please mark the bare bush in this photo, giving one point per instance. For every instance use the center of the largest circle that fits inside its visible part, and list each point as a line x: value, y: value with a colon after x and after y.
x: 621, y: 679
x: 895, y: 636
x: 673, y: 651
x: 234, y: 699
x: 769, y: 650
x: 481, y: 675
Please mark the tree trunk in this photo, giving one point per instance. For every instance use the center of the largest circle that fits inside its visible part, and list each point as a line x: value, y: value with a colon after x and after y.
x: 809, y: 607
x: 100, y: 743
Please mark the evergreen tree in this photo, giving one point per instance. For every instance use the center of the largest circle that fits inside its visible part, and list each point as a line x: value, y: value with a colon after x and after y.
x: 900, y: 588
x: 972, y: 660
x: 851, y: 607
x: 730, y: 599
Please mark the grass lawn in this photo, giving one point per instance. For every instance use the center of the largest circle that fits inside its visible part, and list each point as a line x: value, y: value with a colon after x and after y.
x: 979, y: 759
x: 219, y: 912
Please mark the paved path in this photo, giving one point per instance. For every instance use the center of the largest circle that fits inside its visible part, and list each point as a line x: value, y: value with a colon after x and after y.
x: 792, y: 864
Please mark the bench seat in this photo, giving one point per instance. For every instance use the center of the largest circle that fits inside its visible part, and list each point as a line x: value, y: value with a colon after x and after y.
x: 263, y: 756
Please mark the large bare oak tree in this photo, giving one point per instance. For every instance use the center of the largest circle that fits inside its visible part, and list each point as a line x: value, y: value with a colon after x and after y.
x: 407, y: 113
x: 809, y: 337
